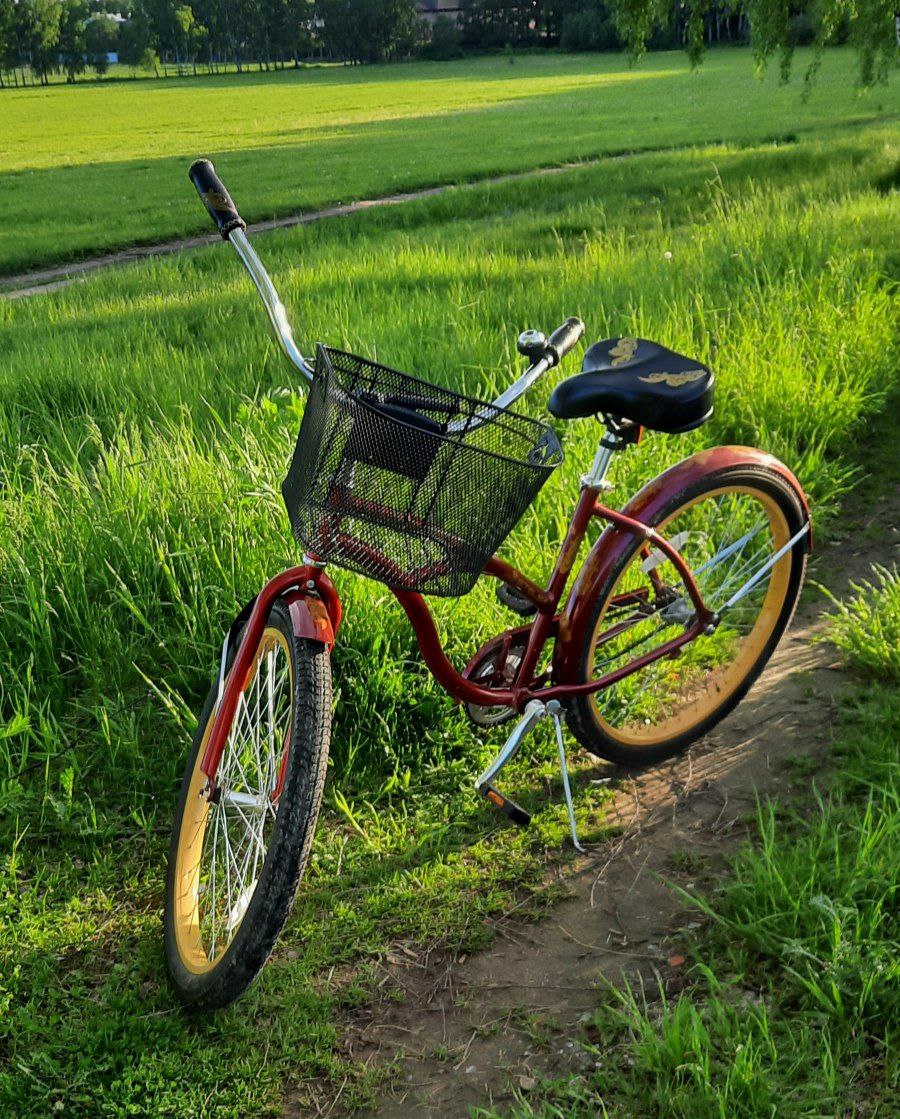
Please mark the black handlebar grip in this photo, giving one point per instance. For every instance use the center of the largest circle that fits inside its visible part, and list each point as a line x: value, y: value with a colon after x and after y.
x: 564, y: 338
x: 215, y: 197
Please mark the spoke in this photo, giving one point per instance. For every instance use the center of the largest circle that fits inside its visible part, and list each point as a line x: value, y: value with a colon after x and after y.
x: 244, y: 715
x: 227, y: 857
x: 250, y: 850
x: 234, y: 856
x: 634, y: 645
x: 729, y: 550
x: 257, y: 692
x: 235, y: 852
x: 742, y: 575
x: 270, y: 682
x: 214, y: 895
x: 249, y: 830
x: 728, y: 543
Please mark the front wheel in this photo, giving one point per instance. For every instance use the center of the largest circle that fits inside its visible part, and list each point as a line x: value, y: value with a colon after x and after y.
x: 235, y: 861
x: 727, y: 526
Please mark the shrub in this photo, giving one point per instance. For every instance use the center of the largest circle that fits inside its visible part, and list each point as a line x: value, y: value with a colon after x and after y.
x: 445, y: 42
x: 588, y: 30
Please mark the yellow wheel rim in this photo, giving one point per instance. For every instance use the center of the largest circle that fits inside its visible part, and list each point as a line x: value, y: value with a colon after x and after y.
x: 216, y: 869
x: 672, y: 697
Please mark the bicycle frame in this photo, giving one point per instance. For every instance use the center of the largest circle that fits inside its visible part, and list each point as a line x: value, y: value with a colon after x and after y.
x: 316, y: 610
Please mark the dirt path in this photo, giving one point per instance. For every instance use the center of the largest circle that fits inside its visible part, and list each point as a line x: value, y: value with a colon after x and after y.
x: 470, y: 1028
x: 44, y: 280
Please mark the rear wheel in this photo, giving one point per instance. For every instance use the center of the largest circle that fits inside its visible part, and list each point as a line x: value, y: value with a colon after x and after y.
x: 727, y: 526
x: 235, y: 861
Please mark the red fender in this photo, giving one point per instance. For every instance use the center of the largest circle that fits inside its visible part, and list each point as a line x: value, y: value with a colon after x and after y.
x: 311, y: 617
x: 315, y: 611
x: 614, y: 542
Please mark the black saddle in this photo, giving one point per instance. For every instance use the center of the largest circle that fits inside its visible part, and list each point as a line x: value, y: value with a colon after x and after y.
x: 633, y: 379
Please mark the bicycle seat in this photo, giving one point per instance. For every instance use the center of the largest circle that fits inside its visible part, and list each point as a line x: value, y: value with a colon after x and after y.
x: 633, y: 379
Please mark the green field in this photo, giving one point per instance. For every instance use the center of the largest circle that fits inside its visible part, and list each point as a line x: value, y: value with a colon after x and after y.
x: 145, y: 425
x: 101, y: 166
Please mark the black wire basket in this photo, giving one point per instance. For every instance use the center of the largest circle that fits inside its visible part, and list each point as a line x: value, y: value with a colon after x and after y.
x: 407, y: 483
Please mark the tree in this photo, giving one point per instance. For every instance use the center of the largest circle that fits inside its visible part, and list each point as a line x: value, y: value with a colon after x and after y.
x: 101, y: 34
x: 445, y: 42
x: 870, y: 23
x: 189, y: 35
x: 7, y: 38
x: 72, y: 45
x: 369, y: 30
x: 37, y: 24
x: 136, y: 41
x: 588, y: 27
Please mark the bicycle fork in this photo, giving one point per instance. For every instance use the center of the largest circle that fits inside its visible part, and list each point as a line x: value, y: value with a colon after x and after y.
x: 534, y: 712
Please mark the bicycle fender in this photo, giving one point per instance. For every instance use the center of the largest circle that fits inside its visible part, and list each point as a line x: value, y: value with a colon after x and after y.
x: 309, y: 617
x: 645, y: 506
x: 315, y: 613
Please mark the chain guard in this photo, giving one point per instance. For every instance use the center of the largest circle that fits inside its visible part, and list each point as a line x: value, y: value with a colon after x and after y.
x: 497, y: 668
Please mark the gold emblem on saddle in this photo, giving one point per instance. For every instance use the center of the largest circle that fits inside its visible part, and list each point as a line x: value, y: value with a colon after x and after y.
x: 624, y: 350
x: 674, y: 380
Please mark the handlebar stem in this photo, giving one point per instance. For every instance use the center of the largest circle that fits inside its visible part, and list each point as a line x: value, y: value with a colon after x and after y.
x: 275, y: 308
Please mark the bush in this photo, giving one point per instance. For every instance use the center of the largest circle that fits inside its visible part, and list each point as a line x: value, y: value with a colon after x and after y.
x: 445, y: 42
x: 588, y: 30
x: 801, y: 30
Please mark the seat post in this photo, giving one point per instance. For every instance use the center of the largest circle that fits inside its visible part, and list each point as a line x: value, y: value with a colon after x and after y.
x: 610, y: 443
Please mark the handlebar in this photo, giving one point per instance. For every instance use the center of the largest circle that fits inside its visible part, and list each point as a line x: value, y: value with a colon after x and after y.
x: 215, y: 197
x: 218, y: 202
x: 542, y: 354
x: 564, y: 338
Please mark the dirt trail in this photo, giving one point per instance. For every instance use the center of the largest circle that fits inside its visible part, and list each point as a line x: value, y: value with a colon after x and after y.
x: 53, y: 278
x: 469, y: 1029
x: 60, y: 276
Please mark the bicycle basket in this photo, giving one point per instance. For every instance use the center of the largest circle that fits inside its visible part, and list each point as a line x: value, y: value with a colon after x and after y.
x: 408, y: 483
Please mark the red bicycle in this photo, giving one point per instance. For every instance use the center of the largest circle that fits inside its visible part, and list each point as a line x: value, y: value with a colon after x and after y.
x: 671, y: 617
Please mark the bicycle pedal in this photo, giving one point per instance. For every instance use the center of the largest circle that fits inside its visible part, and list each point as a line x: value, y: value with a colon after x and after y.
x: 515, y: 600
x: 507, y: 807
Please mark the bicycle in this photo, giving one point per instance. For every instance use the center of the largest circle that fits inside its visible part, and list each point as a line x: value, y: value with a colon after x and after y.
x: 671, y: 617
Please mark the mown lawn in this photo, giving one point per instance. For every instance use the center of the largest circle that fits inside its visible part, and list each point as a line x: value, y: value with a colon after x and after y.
x: 145, y: 423
x: 98, y: 166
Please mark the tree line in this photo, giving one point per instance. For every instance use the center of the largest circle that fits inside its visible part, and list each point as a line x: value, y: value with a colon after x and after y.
x: 43, y: 38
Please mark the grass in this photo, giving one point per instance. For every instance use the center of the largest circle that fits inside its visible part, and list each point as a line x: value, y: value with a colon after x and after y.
x: 793, y: 1005
x: 867, y: 628
x: 97, y: 167
x: 145, y: 424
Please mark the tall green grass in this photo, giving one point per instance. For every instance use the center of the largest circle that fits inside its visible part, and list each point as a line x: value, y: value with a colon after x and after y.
x: 103, y: 166
x: 144, y: 438
x: 145, y: 425
x: 866, y: 627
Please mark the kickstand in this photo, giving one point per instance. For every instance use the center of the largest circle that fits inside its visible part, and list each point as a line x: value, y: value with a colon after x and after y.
x: 533, y: 713
x: 554, y: 710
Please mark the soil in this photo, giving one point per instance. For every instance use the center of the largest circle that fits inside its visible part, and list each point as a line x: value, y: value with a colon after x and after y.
x: 470, y: 1030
